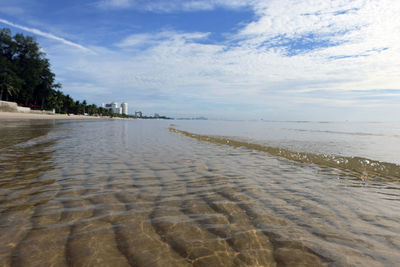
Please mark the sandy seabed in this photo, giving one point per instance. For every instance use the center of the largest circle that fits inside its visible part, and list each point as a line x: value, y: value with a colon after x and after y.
x: 117, y: 193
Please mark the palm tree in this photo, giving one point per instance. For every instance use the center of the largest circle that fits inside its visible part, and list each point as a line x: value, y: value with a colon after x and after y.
x: 9, y: 83
x: 84, y: 104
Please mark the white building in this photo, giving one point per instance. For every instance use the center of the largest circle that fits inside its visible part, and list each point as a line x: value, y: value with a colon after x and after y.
x: 124, y: 107
x: 116, y: 108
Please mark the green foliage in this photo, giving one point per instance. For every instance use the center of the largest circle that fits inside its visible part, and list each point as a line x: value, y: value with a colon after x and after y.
x: 26, y: 78
x: 25, y: 75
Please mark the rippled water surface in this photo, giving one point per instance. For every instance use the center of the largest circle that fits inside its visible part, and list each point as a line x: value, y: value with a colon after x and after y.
x: 133, y: 193
x: 373, y: 140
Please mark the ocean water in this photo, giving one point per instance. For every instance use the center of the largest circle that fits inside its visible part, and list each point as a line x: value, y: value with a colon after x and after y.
x: 199, y: 193
x: 372, y: 140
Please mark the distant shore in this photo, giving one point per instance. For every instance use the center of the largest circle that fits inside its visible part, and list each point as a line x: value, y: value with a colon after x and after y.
x: 32, y: 116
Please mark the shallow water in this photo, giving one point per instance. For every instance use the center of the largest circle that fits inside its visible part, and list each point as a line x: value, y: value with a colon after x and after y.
x: 378, y: 141
x: 120, y: 193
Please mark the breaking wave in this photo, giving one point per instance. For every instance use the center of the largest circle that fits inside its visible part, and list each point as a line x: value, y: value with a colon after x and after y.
x: 362, y: 168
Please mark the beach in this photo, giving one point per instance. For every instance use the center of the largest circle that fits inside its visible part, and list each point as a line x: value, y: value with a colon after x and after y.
x: 210, y: 133
x: 33, y: 116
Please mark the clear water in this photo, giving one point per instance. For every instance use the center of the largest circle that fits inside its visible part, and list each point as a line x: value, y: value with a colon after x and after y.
x: 133, y: 193
x: 372, y: 140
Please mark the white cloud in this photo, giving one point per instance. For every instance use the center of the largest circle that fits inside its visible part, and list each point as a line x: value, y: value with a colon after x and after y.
x: 150, y: 39
x: 359, y: 51
x: 166, y: 6
x: 44, y: 34
x: 357, y: 26
x: 115, y: 3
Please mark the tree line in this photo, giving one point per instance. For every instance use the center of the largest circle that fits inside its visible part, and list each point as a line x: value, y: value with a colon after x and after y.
x: 26, y: 78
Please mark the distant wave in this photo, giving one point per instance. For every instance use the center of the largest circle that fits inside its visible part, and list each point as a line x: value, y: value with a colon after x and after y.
x: 362, y: 168
x: 344, y: 133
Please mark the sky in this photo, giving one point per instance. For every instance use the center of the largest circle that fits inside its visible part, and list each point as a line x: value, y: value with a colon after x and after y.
x: 223, y: 59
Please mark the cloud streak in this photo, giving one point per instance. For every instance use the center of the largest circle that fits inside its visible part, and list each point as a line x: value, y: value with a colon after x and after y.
x: 46, y: 35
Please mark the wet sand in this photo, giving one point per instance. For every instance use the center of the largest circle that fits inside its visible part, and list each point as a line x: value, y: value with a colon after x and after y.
x: 131, y: 193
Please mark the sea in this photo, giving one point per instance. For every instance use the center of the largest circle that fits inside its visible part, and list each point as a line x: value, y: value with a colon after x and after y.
x: 199, y: 193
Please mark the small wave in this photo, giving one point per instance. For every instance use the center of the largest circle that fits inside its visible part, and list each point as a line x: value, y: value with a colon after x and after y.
x: 48, y: 137
x: 344, y: 133
x: 362, y: 168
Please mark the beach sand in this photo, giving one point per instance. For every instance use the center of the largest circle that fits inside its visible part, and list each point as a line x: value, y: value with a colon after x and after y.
x: 32, y: 116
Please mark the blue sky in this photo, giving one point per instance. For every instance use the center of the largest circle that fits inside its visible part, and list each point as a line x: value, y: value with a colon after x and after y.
x: 270, y: 59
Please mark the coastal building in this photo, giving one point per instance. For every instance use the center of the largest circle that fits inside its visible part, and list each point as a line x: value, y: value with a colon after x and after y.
x: 116, y: 108
x: 124, y: 107
x: 138, y: 114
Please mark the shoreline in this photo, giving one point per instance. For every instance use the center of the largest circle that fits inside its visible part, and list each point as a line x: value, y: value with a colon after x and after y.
x: 33, y: 116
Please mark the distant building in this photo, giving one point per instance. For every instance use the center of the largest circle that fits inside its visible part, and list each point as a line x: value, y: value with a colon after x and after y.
x: 116, y: 108
x: 138, y: 114
x: 156, y: 115
x: 124, y: 107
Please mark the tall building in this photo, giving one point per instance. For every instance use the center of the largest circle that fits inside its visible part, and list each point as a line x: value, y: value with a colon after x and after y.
x: 124, y: 107
x: 116, y: 108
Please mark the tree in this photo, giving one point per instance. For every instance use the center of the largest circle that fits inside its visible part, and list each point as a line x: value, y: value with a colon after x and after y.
x: 10, y: 83
x: 7, y: 44
x: 26, y: 77
x: 25, y: 73
x: 84, y: 104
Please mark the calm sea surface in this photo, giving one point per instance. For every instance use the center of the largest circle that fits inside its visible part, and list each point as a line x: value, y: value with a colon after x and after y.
x: 205, y: 193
